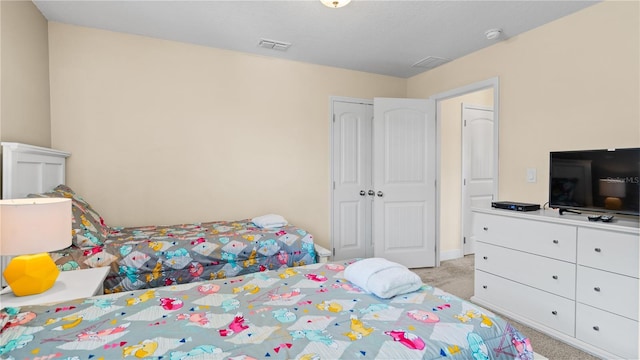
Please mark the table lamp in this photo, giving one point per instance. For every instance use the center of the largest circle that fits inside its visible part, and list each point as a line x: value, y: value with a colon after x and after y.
x: 29, y: 228
x: 613, y: 190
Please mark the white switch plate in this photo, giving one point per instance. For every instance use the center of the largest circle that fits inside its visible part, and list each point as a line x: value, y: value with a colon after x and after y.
x: 531, y: 175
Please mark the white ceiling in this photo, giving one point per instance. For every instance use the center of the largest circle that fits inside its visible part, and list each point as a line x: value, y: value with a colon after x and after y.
x: 382, y: 37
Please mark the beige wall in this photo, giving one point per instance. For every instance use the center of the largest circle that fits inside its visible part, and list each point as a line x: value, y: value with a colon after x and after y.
x: 166, y: 132
x: 451, y: 169
x: 24, y: 72
x: 571, y: 84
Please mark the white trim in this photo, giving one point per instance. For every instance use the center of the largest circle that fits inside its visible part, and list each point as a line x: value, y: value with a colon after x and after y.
x: 349, y: 100
x: 480, y: 85
x: 32, y: 149
x: 493, y: 83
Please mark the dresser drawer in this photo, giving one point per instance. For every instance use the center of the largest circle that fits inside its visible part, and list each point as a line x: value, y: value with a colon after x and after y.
x: 555, y: 276
x: 550, y: 310
x: 617, y: 334
x: 608, y: 250
x: 608, y: 291
x: 556, y: 241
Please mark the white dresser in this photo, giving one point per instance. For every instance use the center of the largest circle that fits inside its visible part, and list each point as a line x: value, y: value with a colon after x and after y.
x: 571, y: 278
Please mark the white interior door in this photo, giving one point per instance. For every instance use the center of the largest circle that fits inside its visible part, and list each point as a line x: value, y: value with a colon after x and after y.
x: 404, y: 175
x: 479, y: 184
x: 352, y: 136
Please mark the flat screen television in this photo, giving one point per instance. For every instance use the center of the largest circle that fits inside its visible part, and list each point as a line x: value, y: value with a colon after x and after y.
x: 605, y: 180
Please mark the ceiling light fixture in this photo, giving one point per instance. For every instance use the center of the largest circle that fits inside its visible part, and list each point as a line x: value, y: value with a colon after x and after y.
x: 493, y: 34
x: 335, y: 3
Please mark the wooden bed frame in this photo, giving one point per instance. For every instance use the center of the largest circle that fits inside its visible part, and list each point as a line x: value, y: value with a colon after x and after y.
x: 28, y: 169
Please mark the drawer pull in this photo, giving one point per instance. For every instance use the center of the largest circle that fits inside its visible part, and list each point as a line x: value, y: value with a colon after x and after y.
x: 556, y: 241
x: 485, y: 228
x: 598, y: 250
x: 484, y: 257
x: 597, y: 288
x: 484, y: 286
x: 596, y: 328
x: 555, y: 277
x: 554, y: 312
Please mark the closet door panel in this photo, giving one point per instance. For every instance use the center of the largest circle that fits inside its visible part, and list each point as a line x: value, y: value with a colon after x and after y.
x: 404, y: 180
x: 352, y: 176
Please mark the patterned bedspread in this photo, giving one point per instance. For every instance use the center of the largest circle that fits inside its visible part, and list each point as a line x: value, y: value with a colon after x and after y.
x: 153, y: 256
x: 308, y: 312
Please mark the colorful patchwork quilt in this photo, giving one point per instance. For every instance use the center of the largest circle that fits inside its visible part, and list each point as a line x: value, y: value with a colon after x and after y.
x: 153, y: 256
x: 308, y: 312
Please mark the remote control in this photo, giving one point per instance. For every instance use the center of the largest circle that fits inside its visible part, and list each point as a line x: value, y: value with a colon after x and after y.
x: 593, y: 217
x: 606, y: 218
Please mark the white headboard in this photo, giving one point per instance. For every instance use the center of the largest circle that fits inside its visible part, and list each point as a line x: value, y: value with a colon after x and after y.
x: 28, y: 169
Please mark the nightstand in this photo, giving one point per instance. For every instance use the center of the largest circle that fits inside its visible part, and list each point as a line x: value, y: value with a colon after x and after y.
x: 70, y: 285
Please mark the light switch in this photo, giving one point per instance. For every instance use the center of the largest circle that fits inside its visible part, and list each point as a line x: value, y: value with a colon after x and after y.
x: 531, y: 175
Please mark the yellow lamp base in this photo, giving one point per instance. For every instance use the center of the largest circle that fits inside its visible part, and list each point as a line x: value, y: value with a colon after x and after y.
x: 31, y: 274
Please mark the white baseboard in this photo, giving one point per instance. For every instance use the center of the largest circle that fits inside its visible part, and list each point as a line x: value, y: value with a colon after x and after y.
x: 451, y: 254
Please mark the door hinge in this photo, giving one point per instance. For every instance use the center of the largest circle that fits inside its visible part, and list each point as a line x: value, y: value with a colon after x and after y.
x: 334, y: 117
x: 334, y: 252
x: 464, y: 181
x: 465, y: 122
x: 464, y: 239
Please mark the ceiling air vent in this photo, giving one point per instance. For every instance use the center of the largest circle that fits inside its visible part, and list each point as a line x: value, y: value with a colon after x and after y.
x: 430, y: 62
x: 273, y: 44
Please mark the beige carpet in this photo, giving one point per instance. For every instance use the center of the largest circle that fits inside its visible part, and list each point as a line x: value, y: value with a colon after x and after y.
x: 456, y: 277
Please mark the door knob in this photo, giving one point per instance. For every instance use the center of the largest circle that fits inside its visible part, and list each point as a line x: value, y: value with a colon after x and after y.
x: 371, y: 193
x: 362, y: 193
x: 380, y: 194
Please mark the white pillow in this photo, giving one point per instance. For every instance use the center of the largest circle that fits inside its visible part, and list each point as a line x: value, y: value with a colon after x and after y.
x: 382, y: 277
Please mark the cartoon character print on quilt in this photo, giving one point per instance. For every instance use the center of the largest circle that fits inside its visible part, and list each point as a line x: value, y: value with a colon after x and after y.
x: 153, y: 256
x: 302, y: 313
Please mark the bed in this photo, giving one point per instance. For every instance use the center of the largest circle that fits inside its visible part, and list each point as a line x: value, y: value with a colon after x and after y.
x: 308, y: 312
x: 151, y: 256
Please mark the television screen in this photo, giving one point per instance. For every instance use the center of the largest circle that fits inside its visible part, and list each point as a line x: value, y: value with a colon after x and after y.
x: 596, y: 180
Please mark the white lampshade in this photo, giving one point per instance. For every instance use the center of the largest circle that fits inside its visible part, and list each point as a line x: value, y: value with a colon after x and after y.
x: 335, y: 3
x: 37, y: 225
x: 612, y: 188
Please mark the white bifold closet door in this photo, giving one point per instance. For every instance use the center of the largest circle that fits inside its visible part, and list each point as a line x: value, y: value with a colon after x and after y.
x: 384, y: 172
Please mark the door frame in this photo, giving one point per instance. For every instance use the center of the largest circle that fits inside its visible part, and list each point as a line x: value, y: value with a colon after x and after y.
x: 494, y: 84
